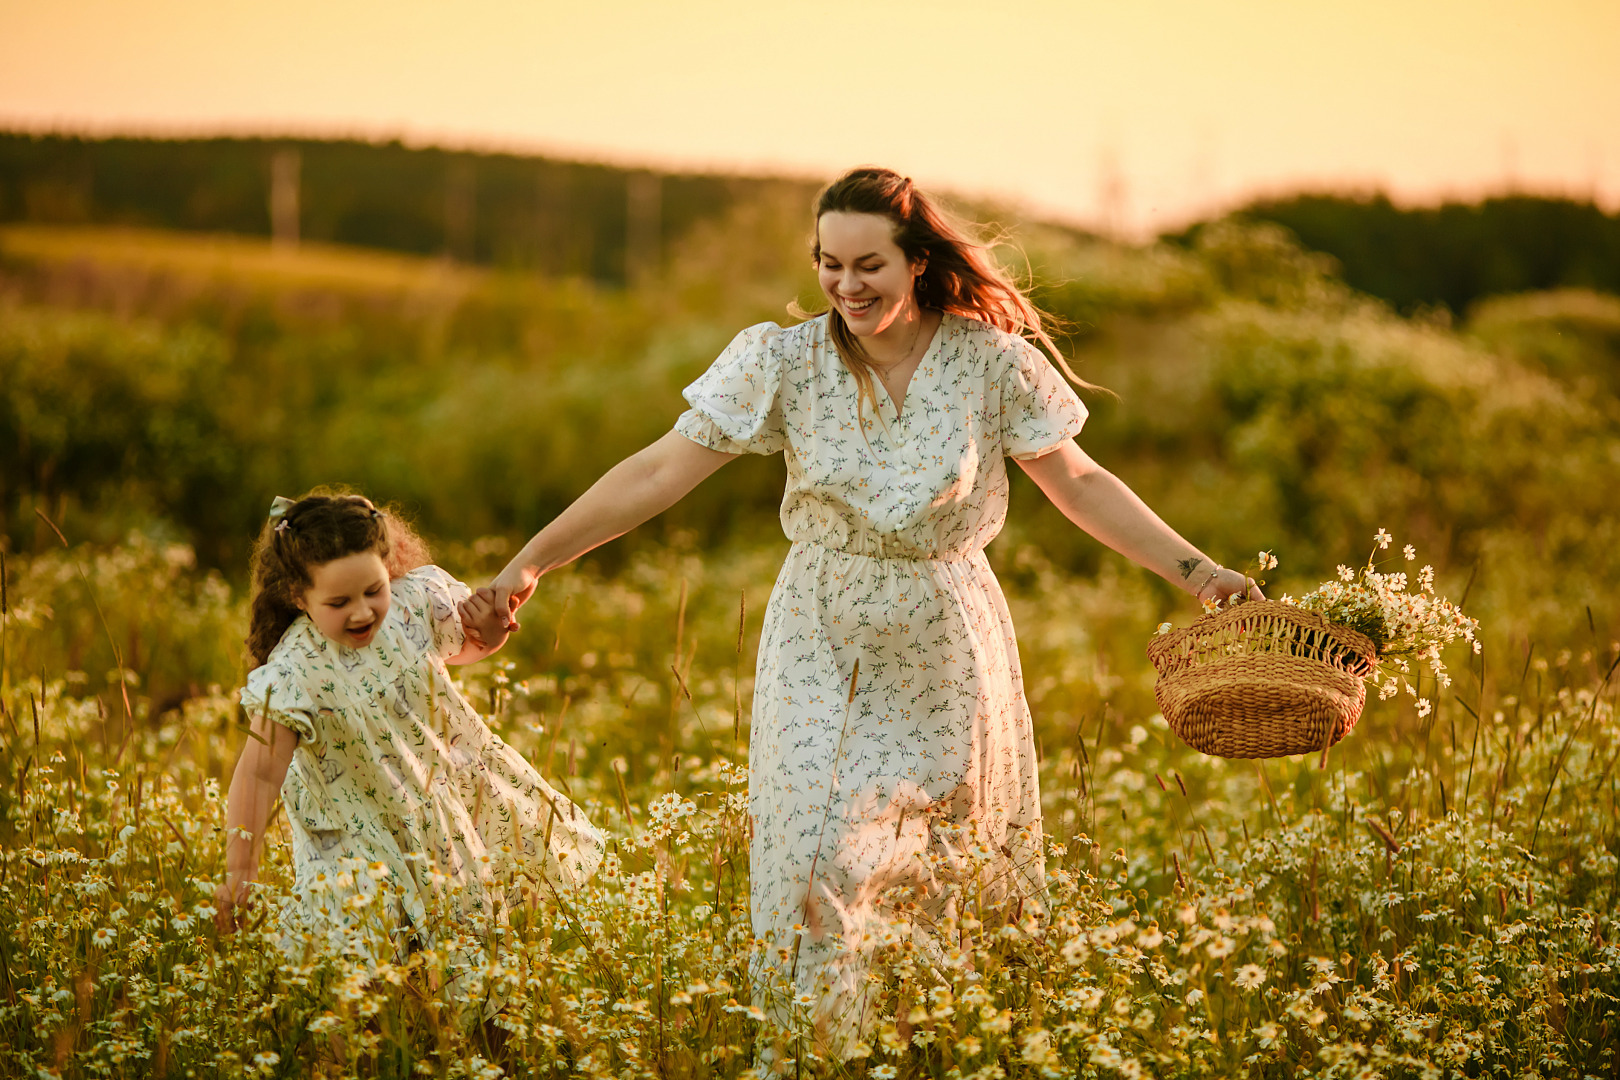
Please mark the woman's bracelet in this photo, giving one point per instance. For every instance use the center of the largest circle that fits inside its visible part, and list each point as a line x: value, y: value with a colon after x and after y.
x: 1198, y: 593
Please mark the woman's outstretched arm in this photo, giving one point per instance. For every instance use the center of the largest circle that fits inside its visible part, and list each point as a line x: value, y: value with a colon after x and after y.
x: 641, y: 486
x: 1100, y: 503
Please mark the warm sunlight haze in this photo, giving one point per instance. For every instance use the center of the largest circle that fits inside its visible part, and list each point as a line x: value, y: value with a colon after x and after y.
x: 1128, y: 117
x: 907, y: 540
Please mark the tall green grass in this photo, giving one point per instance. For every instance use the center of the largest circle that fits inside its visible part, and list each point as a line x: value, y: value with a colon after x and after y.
x: 1436, y: 901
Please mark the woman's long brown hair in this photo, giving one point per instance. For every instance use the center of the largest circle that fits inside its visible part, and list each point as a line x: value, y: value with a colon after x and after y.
x: 960, y: 277
x: 316, y: 529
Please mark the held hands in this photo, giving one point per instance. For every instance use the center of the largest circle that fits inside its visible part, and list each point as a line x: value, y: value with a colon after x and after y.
x: 483, y: 621
x: 511, y: 589
x: 490, y: 613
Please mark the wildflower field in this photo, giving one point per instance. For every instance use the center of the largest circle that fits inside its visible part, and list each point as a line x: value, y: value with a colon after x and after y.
x: 1434, y: 897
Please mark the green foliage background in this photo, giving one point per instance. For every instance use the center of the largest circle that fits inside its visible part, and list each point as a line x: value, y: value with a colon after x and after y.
x: 158, y: 383
x: 1454, y: 255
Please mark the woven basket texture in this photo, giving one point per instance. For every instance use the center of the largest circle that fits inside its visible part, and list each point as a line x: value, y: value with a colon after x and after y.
x: 1262, y: 679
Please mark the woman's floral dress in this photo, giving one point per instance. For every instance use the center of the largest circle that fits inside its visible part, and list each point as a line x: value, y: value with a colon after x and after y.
x: 409, y: 817
x: 921, y: 787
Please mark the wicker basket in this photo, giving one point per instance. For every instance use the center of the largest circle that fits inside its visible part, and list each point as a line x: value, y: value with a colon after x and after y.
x: 1262, y: 679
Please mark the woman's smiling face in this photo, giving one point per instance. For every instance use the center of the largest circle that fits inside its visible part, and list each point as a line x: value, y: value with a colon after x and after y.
x: 347, y: 598
x: 866, y: 277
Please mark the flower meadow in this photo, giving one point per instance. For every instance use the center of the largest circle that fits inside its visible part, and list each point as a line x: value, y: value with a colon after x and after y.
x: 1433, y: 899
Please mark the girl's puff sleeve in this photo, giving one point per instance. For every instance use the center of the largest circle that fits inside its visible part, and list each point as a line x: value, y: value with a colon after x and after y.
x: 1039, y: 409
x: 275, y: 690
x: 433, y: 599
x: 737, y: 403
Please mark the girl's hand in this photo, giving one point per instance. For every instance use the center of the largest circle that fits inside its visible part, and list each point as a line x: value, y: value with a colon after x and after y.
x: 483, y: 621
x: 469, y: 610
x: 230, y: 904
x: 1224, y: 584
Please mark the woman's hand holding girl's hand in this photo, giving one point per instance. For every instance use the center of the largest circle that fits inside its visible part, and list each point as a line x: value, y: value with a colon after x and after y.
x: 1223, y: 584
x: 483, y: 621
x: 511, y: 589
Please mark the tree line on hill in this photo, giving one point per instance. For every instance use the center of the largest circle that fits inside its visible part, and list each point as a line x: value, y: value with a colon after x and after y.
x: 1454, y: 254
x: 611, y: 224
x: 535, y: 213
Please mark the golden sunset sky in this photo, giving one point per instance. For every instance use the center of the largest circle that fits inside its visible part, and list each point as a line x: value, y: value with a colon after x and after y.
x: 1139, y: 115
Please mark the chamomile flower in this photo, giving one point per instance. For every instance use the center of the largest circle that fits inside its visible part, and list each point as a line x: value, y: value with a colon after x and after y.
x: 1404, y: 626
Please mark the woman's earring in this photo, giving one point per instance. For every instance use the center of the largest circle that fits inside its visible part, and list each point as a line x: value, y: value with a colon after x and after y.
x: 922, y: 284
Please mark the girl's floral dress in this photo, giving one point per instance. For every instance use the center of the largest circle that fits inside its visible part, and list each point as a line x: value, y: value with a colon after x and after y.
x: 409, y: 817
x: 923, y: 785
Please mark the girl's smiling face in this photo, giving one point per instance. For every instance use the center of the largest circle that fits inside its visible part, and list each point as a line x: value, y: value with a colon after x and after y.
x: 347, y: 598
x: 865, y: 275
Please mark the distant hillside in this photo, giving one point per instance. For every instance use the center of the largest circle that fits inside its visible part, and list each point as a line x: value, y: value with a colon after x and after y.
x: 1456, y: 253
x: 558, y: 217
x: 611, y: 225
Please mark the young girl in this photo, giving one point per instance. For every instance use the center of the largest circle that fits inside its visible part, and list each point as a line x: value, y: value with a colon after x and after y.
x: 406, y: 812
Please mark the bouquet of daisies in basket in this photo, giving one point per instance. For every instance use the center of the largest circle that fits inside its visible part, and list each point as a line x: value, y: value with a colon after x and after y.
x: 1268, y: 678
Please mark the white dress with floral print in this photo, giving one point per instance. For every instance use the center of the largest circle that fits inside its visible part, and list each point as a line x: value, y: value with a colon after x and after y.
x: 396, y: 773
x: 923, y: 786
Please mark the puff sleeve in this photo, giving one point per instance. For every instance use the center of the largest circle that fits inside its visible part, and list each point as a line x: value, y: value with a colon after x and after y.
x: 737, y: 403
x: 1039, y: 409
x: 275, y: 690
x: 431, y: 598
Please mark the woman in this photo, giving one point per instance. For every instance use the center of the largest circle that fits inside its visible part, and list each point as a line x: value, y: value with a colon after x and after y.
x: 892, y: 747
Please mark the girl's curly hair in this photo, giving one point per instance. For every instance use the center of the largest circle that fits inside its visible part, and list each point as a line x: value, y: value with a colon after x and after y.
x: 322, y: 526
